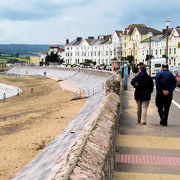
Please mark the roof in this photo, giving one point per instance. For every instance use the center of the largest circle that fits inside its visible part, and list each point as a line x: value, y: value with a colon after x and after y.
x: 146, y: 30
x: 178, y: 30
x: 129, y: 30
x: 118, y: 32
x: 91, y: 41
x: 76, y: 42
x: 154, y: 38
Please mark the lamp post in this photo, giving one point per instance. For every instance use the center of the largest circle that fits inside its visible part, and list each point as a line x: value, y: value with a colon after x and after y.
x: 167, y: 24
x: 150, y: 35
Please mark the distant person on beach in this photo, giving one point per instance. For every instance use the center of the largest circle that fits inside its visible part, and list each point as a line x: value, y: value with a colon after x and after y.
x: 4, y: 97
x: 32, y: 90
x: 17, y: 92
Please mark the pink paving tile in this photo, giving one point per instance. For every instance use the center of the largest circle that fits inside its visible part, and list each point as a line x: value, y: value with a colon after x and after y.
x: 148, y: 159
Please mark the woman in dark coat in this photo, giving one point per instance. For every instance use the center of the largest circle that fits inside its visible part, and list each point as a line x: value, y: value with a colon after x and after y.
x: 144, y: 87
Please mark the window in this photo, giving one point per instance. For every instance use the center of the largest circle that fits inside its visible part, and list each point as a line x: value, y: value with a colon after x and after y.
x: 160, y: 51
x: 157, y: 65
x: 156, y: 52
x: 169, y: 50
x: 174, y: 50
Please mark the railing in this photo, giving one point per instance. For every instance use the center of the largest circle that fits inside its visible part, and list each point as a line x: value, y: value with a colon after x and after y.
x: 93, y: 91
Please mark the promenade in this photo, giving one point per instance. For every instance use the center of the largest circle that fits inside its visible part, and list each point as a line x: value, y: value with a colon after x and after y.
x: 150, y: 152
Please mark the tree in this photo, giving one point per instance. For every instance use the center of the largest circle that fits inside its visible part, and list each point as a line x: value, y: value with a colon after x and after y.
x: 130, y: 58
x: 147, y: 57
x: 48, y: 59
x: 16, y: 55
x: 94, y: 63
x: 61, y: 61
x: 163, y: 56
x: 88, y: 61
x: 53, y: 57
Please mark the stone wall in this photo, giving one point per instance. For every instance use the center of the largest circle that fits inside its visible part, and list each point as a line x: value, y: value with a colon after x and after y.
x: 92, y: 154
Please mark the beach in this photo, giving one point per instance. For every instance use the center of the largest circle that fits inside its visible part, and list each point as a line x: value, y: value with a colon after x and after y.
x: 30, y: 121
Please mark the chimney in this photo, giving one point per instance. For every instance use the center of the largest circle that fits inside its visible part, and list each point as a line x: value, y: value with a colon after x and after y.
x: 79, y: 38
x: 90, y: 37
x: 67, y: 41
x: 164, y: 31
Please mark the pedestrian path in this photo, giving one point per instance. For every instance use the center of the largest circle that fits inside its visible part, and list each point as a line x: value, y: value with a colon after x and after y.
x: 150, y: 152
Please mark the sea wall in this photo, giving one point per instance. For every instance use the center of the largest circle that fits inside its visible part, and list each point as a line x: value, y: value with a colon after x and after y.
x: 86, y: 147
x: 92, y: 153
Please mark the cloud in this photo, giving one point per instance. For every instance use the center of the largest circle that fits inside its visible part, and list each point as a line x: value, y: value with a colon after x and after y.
x: 52, y: 21
x: 35, y: 9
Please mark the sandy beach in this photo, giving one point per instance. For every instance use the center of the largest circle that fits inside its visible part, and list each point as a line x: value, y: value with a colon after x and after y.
x: 29, y: 122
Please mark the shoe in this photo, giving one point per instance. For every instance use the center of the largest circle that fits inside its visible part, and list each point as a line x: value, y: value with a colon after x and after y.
x: 165, y: 124
x: 138, y: 121
x: 143, y: 123
x: 162, y: 120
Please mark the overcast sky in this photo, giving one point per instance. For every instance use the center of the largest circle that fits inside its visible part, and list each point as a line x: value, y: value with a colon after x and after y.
x: 53, y: 21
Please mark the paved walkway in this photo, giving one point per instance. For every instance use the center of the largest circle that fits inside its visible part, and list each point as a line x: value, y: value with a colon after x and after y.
x: 150, y: 152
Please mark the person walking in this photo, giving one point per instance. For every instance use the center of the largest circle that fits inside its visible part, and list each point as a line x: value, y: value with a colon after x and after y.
x: 4, y: 97
x: 143, y: 85
x: 165, y: 85
x: 136, y: 69
x: 129, y: 70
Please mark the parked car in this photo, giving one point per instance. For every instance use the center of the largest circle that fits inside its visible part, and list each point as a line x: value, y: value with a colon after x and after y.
x: 109, y: 68
x: 178, y: 78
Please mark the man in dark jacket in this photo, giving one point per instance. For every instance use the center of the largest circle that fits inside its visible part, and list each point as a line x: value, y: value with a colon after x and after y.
x: 144, y: 87
x: 165, y: 85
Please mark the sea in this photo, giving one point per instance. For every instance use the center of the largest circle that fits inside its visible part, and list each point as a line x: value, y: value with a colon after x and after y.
x: 8, y: 90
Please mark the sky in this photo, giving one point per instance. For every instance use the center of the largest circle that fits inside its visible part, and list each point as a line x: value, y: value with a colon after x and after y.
x: 54, y: 21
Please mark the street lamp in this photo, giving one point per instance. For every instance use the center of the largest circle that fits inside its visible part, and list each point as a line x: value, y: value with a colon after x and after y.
x: 167, y: 24
x: 150, y: 35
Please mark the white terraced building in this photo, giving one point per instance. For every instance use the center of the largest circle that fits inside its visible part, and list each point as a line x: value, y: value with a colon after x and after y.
x: 101, y: 50
x: 133, y: 41
x: 158, y: 47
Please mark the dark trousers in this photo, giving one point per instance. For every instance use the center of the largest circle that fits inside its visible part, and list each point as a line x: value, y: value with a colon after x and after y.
x: 163, y: 104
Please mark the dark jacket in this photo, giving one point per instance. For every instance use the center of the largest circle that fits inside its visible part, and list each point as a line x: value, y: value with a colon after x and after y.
x: 145, y: 86
x: 165, y: 80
